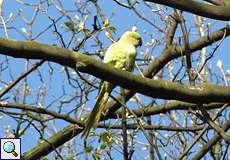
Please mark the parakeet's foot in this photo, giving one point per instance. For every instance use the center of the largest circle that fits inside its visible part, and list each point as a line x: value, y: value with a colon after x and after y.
x: 105, y: 112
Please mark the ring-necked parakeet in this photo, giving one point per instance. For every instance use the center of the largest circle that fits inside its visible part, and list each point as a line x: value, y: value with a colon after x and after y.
x: 120, y: 55
x: 227, y: 3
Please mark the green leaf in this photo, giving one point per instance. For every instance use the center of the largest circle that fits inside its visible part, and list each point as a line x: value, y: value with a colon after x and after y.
x: 105, y: 136
x: 112, y: 29
x: 69, y: 158
x: 45, y: 158
x: 96, y: 156
x: 103, y: 146
x: 106, y: 23
x: 88, y: 149
x: 86, y: 31
x: 70, y: 25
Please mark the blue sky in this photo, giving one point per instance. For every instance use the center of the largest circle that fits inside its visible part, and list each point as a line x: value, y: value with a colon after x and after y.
x: 123, y: 19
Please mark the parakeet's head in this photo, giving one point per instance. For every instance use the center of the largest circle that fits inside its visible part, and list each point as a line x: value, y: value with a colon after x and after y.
x: 131, y: 37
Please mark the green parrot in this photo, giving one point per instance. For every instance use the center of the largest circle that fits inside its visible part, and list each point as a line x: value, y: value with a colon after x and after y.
x: 227, y: 3
x: 120, y: 55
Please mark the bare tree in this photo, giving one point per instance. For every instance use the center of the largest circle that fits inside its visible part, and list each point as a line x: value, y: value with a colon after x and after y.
x: 173, y: 106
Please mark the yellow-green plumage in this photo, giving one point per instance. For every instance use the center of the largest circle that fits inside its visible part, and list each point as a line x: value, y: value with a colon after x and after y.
x: 223, y: 2
x: 95, y: 115
x: 120, y: 55
x: 227, y: 3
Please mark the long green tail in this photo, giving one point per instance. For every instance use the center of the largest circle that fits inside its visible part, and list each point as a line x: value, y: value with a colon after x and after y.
x: 95, y: 115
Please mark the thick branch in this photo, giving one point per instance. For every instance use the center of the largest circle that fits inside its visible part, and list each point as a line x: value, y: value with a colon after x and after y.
x: 201, y: 9
x: 153, y: 88
x: 55, y: 141
x: 34, y: 50
x: 165, y: 108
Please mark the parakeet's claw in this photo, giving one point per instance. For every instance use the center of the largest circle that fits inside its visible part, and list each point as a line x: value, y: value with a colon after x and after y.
x: 104, y: 113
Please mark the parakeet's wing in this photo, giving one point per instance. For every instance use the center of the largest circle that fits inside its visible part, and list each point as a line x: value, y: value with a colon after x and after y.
x: 226, y: 3
x: 121, y: 55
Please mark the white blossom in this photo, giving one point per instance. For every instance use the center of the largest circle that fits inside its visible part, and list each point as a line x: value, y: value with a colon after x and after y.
x: 219, y: 64
x: 134, y: 28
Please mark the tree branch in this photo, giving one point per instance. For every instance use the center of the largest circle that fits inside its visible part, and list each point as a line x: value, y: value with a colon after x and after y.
x: 154, y: 88
x: 58, y: 139
x: 210, y: 143
x: 206, y: 118
x: 155, y: 127
x: 165, y: 108
x: 201, y: 9
x: 152, y: 69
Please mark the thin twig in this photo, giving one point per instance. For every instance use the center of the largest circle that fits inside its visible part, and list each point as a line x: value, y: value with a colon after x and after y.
x: 201, y: 133
x: 216, y: 127
x: 12, y: 84
x: 186, y: 52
